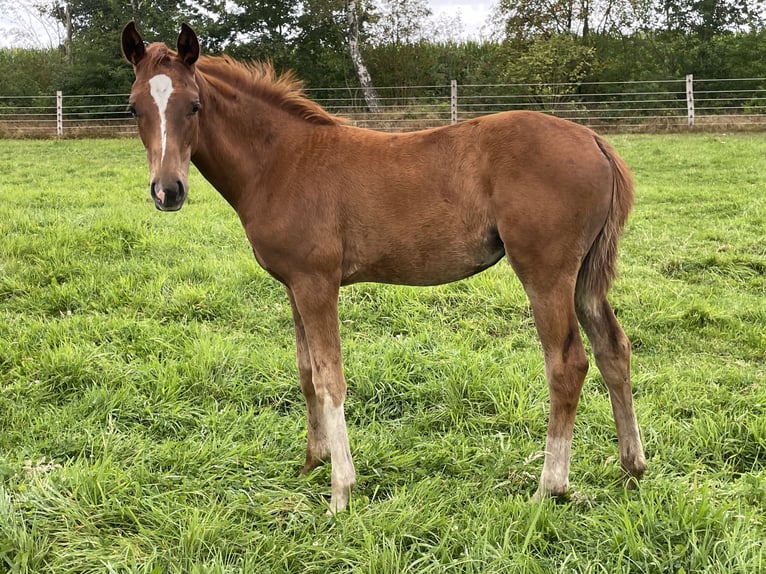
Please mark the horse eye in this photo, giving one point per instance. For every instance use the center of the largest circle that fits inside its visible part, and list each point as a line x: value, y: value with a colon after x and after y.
x: 195, y: 108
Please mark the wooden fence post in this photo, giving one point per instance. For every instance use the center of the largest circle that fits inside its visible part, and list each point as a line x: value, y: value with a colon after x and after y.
x: 690, y: 99
x: 59, y: 114
x: 453, y: 101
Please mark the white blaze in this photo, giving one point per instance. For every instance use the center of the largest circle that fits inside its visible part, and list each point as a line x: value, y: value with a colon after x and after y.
x: 161, y: 89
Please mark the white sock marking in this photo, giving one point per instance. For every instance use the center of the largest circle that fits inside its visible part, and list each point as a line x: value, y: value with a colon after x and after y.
x: 343, y: 475
x: 555, y: 476
x: 161, y: 90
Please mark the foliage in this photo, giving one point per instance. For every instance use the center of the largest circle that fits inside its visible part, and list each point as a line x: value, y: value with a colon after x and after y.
x: 707, y: 19
x: 29, y: 72
x: 399, y: 22
x: 583, y: 40
x: 320, y: 53
x: 152, y: 420
x: 527, y: 19
x: 551, y: 60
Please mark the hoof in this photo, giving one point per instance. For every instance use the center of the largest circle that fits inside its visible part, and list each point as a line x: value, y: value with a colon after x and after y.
x: 338, y: 503
x: 634, y: 469
x: 631, y: 481
x: 544, y: 493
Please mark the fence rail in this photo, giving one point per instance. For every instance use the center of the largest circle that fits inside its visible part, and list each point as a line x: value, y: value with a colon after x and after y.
x: 683, y: 104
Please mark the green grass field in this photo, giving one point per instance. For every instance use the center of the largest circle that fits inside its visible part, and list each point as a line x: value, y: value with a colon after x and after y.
x: 151, y: 419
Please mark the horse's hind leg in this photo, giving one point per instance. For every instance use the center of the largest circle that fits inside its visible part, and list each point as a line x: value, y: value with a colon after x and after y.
x: 565, y: 367
x: 611, y: 349
x: 317, y: 446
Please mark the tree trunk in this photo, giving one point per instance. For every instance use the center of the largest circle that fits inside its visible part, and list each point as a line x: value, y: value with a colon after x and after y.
x: 370, y: 96
x: 585, y: 19
x: 68, y: 38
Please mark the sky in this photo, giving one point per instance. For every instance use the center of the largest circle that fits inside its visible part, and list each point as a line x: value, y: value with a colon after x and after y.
x: 22, y: 26
x: 473, y: 16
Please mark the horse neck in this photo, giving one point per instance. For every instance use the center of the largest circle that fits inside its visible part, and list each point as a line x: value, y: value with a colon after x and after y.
x: 238, y: 139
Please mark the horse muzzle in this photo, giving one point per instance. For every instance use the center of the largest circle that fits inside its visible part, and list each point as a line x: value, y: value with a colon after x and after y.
x: 168, y: 196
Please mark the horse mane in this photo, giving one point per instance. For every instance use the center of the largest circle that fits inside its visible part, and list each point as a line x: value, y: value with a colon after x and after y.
x: 259, y: 78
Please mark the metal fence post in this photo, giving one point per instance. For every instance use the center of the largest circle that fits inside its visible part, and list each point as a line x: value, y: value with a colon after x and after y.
x: 59, y: 114
x: 690, y: 99
x: 453, y: 101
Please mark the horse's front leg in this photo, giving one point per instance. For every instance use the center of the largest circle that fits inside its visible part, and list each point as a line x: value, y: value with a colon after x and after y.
x: 315, y: 304
x: 317, y: 445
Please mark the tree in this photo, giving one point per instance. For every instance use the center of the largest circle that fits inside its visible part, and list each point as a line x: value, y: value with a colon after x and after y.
x: 370, y: 95
x: 700, y: 33
x: 253, y: 29
x: 553, y: 67
x: 529, y: 18
x: 321, y: 55
x: 708, y: 18
x: 400, y: 22
x: 92, y: 40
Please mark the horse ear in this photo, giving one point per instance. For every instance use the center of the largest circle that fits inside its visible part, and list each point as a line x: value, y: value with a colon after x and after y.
x: 187, y: 45
x: 132, y: 45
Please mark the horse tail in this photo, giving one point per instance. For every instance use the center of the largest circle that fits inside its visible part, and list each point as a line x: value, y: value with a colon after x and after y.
x: 599, y: 267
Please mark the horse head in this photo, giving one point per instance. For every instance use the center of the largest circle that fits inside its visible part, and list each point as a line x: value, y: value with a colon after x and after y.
x: 165, y: 101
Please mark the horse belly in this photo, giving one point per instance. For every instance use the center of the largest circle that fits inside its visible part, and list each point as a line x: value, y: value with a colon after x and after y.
x: 430, y: 259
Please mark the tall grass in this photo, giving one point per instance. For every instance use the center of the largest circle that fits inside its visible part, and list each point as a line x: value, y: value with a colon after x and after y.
x: 151, y: 420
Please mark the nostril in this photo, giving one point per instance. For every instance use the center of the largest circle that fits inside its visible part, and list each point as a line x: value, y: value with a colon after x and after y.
x: 168, y: 197
x: 158, y: 193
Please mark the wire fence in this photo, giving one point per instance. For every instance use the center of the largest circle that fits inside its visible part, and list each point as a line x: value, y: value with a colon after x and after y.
x: 651, y: 106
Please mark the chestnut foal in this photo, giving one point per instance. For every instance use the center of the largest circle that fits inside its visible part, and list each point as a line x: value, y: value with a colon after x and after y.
x: 325, y: 204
